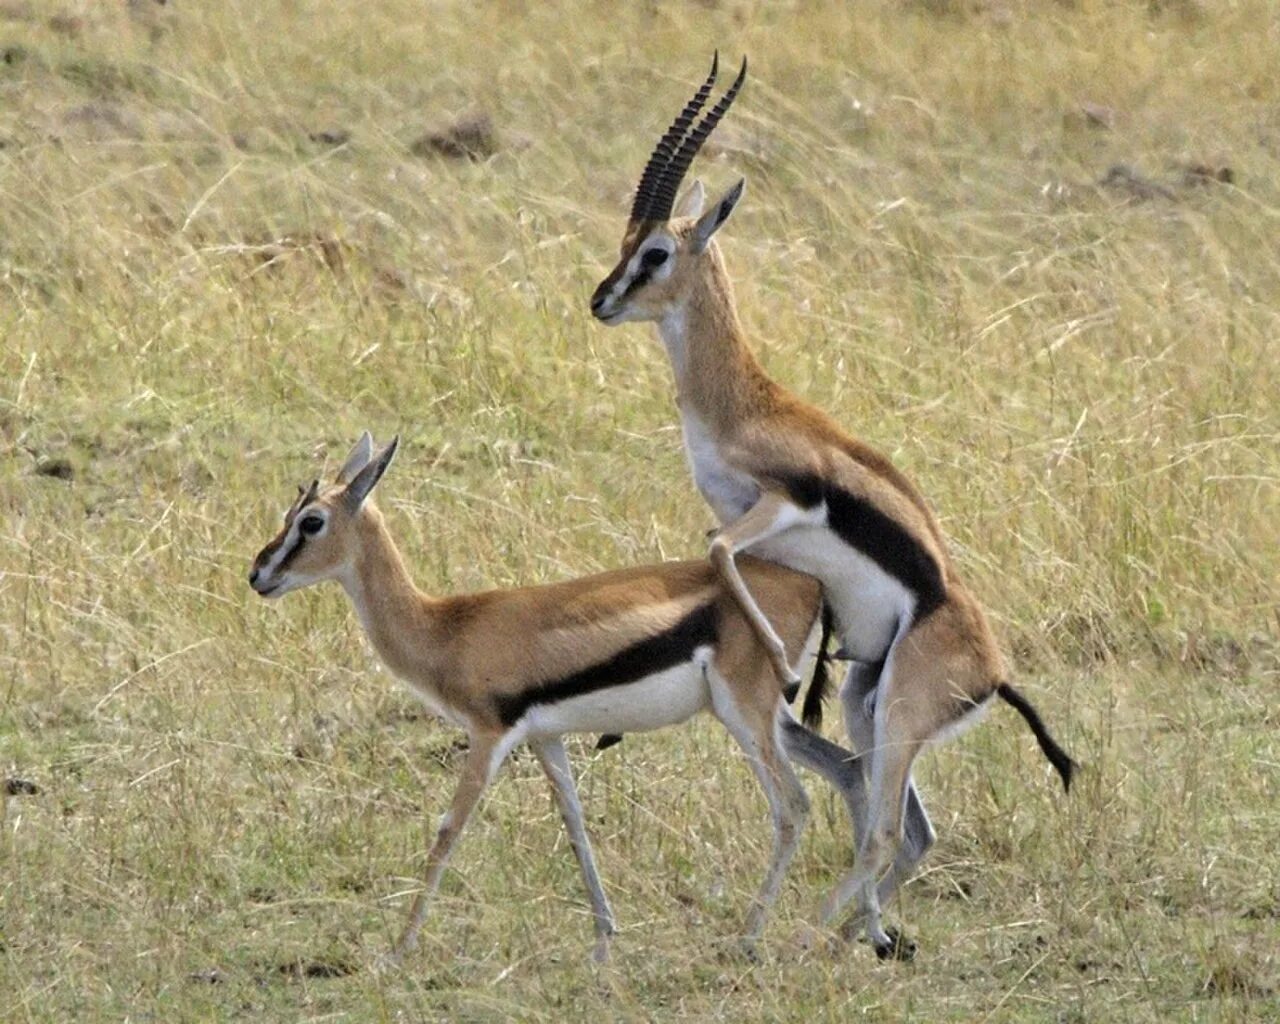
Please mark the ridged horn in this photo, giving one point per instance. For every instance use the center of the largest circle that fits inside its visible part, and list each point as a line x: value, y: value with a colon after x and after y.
x: 668, y: 146
x: 665, y: 194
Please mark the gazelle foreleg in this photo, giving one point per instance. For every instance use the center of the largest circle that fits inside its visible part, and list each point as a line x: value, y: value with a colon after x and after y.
x: 771, y: 515
x: 555, y: 762
x: 482, y: 760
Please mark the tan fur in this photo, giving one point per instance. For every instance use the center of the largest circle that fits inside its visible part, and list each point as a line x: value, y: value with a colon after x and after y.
x: 947, y: 663
x: 761, y: 428
x: 463, y: 650
x: 460, y: 653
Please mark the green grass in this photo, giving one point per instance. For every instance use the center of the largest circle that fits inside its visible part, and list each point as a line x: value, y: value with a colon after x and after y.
x: 200, y: 307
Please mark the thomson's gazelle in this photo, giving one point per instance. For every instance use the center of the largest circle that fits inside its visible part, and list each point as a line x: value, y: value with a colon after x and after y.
x: 623, y: 651
x: 789, y: 485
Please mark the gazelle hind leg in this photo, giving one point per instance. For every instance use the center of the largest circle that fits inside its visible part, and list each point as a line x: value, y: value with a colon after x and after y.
x: 891, y: 757
x: 839, y: 767
x: 555, y: 762
x: 756, y: 732
x: 857, y: 698
x: 936, y: 673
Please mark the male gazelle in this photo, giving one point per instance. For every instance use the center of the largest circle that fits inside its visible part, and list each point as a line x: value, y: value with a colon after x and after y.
x: 623, y: 651
x: 790, y: 486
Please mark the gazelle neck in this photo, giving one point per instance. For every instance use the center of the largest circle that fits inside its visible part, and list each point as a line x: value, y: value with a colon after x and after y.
x: 397, y: 617
x: 717, y: 376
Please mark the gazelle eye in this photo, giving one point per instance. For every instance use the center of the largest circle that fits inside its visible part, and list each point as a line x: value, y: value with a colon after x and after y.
x: 654, y: 257
x: 311, y: 524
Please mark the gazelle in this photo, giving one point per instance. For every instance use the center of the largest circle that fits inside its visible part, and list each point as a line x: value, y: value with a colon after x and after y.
x: 790, y: 486
x: 630, y: 650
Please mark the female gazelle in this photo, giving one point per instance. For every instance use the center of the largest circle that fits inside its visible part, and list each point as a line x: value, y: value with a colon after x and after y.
x: 623, y: 651
x: 789, y: 485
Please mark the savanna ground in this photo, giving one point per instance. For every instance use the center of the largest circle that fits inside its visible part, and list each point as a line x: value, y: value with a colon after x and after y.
x: 228, y: 244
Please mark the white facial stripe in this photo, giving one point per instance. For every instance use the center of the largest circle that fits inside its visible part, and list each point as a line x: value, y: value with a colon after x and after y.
x: 637, y: 269
x: 292, y: 541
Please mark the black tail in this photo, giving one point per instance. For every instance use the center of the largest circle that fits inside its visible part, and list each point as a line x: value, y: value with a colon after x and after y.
x: 1056, y: 755
x: 821, y: 681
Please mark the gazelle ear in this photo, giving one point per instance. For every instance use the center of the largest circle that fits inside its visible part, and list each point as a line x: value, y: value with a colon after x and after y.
x: 691, y: 202
x: 357, y: 459
x: 709, y: 223
x: 368, y: 477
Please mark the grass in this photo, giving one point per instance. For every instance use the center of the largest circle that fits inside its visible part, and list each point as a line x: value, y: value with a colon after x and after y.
x: 202, y: 306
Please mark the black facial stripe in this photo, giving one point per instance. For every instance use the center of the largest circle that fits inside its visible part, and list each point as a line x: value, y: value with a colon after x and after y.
x: 268, y: 553
x: 643, y: 658
x: 291, y: 554
x: 869, y: 531
x: 640, y: 280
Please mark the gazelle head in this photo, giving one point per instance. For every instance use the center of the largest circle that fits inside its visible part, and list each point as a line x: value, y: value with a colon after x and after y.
x: 661, y: 253
x: 320, y: 535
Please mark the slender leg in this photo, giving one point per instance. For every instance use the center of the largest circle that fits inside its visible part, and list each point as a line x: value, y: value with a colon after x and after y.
x: 937, y: 669
x: 890, y: 775
x: 856, y: 696
x: 788, y: 803
x: 840, y: 767
x: 891, y: 761
x: 844, y: 771
x: 555, y: 762
x: 915, y: 698
x: 476, y: 773
x: 771, y: 515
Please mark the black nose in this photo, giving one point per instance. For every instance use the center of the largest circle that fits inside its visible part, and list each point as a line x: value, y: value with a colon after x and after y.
x: 253, y: 577
x: 601, y: 295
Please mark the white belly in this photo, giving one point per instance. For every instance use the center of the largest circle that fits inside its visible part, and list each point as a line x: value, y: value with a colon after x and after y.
x: 867, y: 602
x: 662, y: 699
x: 436, y: 707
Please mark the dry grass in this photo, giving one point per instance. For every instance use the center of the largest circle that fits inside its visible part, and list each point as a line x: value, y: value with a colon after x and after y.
x: 205, y: 293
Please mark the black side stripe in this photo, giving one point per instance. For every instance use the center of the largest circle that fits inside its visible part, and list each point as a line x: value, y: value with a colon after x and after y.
x: 643, y: 658
x: 869, y: 531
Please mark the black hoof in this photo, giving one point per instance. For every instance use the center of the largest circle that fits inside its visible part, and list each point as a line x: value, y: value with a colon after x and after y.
x: 899, y: 947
